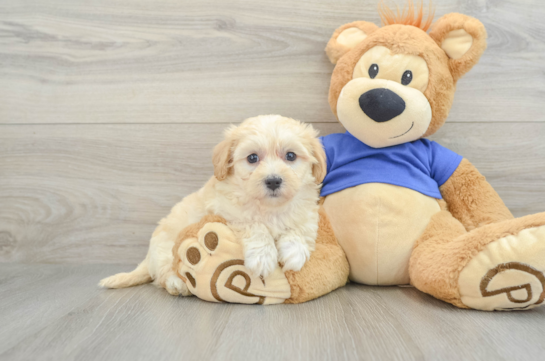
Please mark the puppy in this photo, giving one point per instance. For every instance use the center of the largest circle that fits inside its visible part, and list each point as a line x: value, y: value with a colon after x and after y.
x: 267, y: 174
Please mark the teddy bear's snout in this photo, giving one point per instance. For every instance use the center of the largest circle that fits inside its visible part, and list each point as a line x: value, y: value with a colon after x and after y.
x: 381, y: 104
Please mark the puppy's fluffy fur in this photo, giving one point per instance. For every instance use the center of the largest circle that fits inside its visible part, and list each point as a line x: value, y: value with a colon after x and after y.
x: 275, y: 225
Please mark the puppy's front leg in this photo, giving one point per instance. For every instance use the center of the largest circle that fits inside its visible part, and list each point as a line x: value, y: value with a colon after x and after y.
x: 294, y: 249
x: 261, y: 256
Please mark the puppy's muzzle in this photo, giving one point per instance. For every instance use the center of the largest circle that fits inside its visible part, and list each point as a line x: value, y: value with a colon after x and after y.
x: 381, y: 104
x: 273, y: 183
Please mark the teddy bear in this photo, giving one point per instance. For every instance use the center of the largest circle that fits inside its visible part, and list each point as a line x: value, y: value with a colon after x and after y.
x: 396, y: 208
x: 209, y: 258
x: 407, y: 210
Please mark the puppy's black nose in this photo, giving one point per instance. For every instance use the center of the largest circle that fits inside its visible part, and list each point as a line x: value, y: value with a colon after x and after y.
x: 273, y: 183
x: 381, y: 104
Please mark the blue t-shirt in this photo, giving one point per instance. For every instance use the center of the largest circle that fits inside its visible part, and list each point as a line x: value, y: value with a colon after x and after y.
x: 421, y: 165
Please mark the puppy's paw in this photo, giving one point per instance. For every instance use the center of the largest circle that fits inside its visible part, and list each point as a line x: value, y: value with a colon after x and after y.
x: 261, y: 260
x: 293, y: 253
x: 175, y: 286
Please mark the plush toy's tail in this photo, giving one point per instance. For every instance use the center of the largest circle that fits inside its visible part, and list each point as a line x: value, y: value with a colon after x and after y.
x: 121, y: 280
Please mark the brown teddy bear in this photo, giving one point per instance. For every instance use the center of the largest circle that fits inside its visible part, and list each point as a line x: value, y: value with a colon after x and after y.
x: 405, y: 209
x: 209, y: 258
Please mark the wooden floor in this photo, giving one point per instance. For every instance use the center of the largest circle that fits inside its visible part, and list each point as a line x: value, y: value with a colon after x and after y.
x: 56, y: 312
x: 109, y: 110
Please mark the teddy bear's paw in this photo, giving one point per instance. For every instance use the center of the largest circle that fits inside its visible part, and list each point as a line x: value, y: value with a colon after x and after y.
x: 213, y: 267
x: 508, y: 274
x: 293, y: 254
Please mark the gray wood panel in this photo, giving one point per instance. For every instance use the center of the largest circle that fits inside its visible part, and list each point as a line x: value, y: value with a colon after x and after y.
x: 56, y: 312
x: 119, y: 61
x: 102, y: 106
x: 93, y: 193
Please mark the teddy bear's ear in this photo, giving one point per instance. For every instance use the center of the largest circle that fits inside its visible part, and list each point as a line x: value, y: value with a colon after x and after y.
x: 347, y: 37
x: 462, y: 38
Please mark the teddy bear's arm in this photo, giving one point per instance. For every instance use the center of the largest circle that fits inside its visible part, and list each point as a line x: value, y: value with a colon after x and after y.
x: 471, y: 199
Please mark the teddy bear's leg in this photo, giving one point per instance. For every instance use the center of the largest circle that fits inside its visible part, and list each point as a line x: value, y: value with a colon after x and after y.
x: 210, y: 262
x: 495, y: 267
x: 326, y: 270
x: 209, y: 259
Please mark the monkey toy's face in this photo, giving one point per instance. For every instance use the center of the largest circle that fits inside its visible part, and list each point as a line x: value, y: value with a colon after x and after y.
x: 396, y: 84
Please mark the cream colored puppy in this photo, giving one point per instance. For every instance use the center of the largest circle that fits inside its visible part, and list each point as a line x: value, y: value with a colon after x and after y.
x: 267, y: 173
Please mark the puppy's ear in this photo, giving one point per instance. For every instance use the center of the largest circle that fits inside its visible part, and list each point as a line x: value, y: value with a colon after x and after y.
x: 222, y: 159
x: 462, y: 38
x: 346, y: 38
x: 319, y: 169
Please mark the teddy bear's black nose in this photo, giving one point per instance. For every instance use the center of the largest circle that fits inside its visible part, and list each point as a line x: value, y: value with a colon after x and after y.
x: 381, y: 104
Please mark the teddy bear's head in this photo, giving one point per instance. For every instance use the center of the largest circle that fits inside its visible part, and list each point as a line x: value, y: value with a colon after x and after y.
x: 396, y: 83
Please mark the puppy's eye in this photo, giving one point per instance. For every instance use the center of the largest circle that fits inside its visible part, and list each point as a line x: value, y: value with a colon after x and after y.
x: 290, y: 156
x: 253, y: 158
x: 407, y: 77
x: 373, y: 71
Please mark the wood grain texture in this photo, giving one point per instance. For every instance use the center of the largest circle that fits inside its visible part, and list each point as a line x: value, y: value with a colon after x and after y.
x: 102, y: 112
x: 93, y: 193
x: 119, y: 61
x: 56, y: 312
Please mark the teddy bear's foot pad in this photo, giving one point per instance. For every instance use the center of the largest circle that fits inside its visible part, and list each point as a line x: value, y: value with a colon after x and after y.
x: 212, y: 267
x: 508, y: 274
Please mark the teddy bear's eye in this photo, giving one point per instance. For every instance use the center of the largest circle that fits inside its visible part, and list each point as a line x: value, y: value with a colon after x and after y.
x: 373, y: 71
x: 407, y: 77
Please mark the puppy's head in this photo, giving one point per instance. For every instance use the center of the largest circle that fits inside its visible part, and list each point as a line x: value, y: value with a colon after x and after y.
x: 270, y: 158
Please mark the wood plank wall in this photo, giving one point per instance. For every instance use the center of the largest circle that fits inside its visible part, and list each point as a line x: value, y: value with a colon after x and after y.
x: 109, y: 109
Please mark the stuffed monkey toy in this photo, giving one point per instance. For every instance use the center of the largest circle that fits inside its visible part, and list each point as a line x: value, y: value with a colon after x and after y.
x: 405, y: 209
